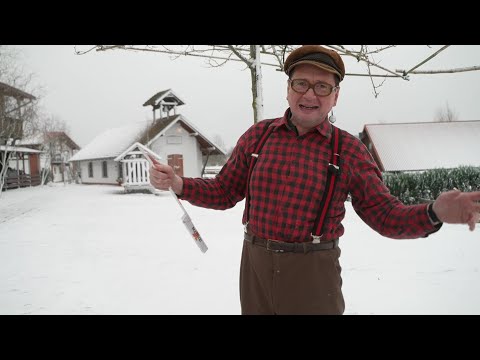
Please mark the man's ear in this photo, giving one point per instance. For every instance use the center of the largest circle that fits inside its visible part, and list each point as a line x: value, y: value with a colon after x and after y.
x: 336, y: 97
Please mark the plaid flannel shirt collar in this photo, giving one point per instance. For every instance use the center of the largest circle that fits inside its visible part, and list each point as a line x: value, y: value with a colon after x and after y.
x: 324, y: 128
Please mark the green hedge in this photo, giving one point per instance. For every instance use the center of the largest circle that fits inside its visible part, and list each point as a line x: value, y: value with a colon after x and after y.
x: 415, y: 188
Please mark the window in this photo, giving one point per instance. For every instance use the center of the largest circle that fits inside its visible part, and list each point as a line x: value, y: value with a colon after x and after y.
x: 90, y: 169
x: 104, y: 169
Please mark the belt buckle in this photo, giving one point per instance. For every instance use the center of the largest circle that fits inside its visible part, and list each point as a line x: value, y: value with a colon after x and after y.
x: 272, y: 250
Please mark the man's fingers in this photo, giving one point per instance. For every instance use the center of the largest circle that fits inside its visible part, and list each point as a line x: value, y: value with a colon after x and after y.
x: 475, y: 195
x: 474, y: 219
x: 472, y: 223
x: 161, y: 175
x: 162, y: 168
x: 154, y: 160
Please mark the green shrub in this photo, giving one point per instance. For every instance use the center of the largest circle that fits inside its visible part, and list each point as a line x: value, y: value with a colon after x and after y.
x: 419, y: 187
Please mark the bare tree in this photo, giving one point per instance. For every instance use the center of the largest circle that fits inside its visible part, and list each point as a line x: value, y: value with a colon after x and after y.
x: 219, y: 55
x: 18, y: 108
x: 217, y: 139
x: 446, y: 114
x: 256, y: 56
x: 46, y: 134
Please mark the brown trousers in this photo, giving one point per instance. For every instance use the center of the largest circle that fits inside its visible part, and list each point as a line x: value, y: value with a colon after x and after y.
x: 290, y: 283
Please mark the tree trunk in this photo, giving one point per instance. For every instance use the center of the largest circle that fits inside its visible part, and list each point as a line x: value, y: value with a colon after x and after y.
x: 256, y: 74
x: 4, y: 167
x: 4, y: 163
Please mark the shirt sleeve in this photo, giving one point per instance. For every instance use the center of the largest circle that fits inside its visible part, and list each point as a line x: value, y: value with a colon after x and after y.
x: 227, y: 188
x: 378, y: 208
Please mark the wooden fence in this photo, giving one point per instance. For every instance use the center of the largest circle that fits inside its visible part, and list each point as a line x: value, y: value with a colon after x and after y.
x: 22, y: 180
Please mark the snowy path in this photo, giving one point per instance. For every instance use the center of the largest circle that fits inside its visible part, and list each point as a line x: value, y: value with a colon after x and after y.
x: 81, y: 249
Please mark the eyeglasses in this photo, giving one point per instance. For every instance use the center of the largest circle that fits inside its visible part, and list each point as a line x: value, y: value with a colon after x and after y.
x: 301, y: 86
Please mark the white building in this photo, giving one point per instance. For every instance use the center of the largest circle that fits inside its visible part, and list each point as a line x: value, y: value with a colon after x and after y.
x: 57, y: 149
x: 111, y: 156
x: 423, y: 146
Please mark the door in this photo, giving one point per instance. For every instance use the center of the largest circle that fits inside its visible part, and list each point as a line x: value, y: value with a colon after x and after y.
x: 176, y: 162
x: 34, y: 168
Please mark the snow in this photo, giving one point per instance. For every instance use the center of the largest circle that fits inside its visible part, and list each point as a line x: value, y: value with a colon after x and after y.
x: 111, y: 142
x: 91, y: 249
x: 19, y: 149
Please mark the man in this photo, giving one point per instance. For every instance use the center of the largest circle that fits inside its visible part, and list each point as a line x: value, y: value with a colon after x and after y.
x: 296, y: 173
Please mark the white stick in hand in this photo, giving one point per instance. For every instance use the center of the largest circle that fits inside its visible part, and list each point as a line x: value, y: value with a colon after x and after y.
x: 187, y: 221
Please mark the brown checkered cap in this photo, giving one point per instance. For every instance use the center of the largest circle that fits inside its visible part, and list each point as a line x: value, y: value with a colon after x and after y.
x: 317, y: 55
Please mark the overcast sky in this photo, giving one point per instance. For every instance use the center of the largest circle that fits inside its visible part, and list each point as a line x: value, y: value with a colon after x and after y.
x: 101, y: 90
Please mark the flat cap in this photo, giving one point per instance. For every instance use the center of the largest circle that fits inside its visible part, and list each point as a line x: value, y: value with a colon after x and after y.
x: 317, y: 55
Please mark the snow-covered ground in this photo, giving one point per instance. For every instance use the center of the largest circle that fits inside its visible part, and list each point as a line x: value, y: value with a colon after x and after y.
x: 91, y: 249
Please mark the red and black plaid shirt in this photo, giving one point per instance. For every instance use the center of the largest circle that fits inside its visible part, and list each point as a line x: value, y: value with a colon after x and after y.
x: 288, y: 182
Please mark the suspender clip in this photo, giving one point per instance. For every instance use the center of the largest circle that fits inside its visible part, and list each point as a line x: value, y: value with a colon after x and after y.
x: 335, y: 169
x: 316, y: 238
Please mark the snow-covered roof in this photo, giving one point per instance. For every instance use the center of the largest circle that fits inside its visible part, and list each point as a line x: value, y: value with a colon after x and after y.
x: 114, y: 142
x: 422, y: 146
x: 7, y: 90
x: 39, y: 139
x: 131, y: 150
x: 165, y: 95
x: 19, y: 149
x: 111, y: 143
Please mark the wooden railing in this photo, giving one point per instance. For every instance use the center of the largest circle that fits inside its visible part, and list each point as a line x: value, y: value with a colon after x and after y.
x: 22, y: 180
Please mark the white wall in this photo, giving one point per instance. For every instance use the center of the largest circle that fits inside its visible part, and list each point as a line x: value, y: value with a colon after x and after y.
x: 57, y: 173
x: 61, y: 148
x: 189, y: 148
x: 112, y: 172
x: 43, y: 161
x: 23, y: 165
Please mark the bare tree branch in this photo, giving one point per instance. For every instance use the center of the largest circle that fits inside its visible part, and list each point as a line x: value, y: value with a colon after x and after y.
x: 247, y: 61
x: 18, y: 108
x: 274, y: 55
x: 447, y: 71
x: 362, y: 56
x: 427, y: 59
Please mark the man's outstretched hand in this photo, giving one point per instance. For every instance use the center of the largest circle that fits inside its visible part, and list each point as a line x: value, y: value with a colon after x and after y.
x: 456, y: 207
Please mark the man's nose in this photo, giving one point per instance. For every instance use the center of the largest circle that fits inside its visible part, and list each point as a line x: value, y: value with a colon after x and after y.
x: 310, y: 93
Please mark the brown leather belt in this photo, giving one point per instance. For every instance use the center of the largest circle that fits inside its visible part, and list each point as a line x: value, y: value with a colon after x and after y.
x: 280, y: 246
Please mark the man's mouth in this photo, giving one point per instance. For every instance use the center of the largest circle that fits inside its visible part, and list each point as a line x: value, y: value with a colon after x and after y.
x: 308, y: 107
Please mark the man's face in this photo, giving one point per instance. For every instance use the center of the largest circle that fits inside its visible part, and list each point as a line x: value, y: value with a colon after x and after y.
x: 309, y: 109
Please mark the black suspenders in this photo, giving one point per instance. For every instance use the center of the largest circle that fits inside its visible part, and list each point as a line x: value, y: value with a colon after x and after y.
x: 333, y: 173
x: 263, y: 139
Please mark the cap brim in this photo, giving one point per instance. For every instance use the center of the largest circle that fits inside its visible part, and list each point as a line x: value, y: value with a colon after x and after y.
x: 317, y: 64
